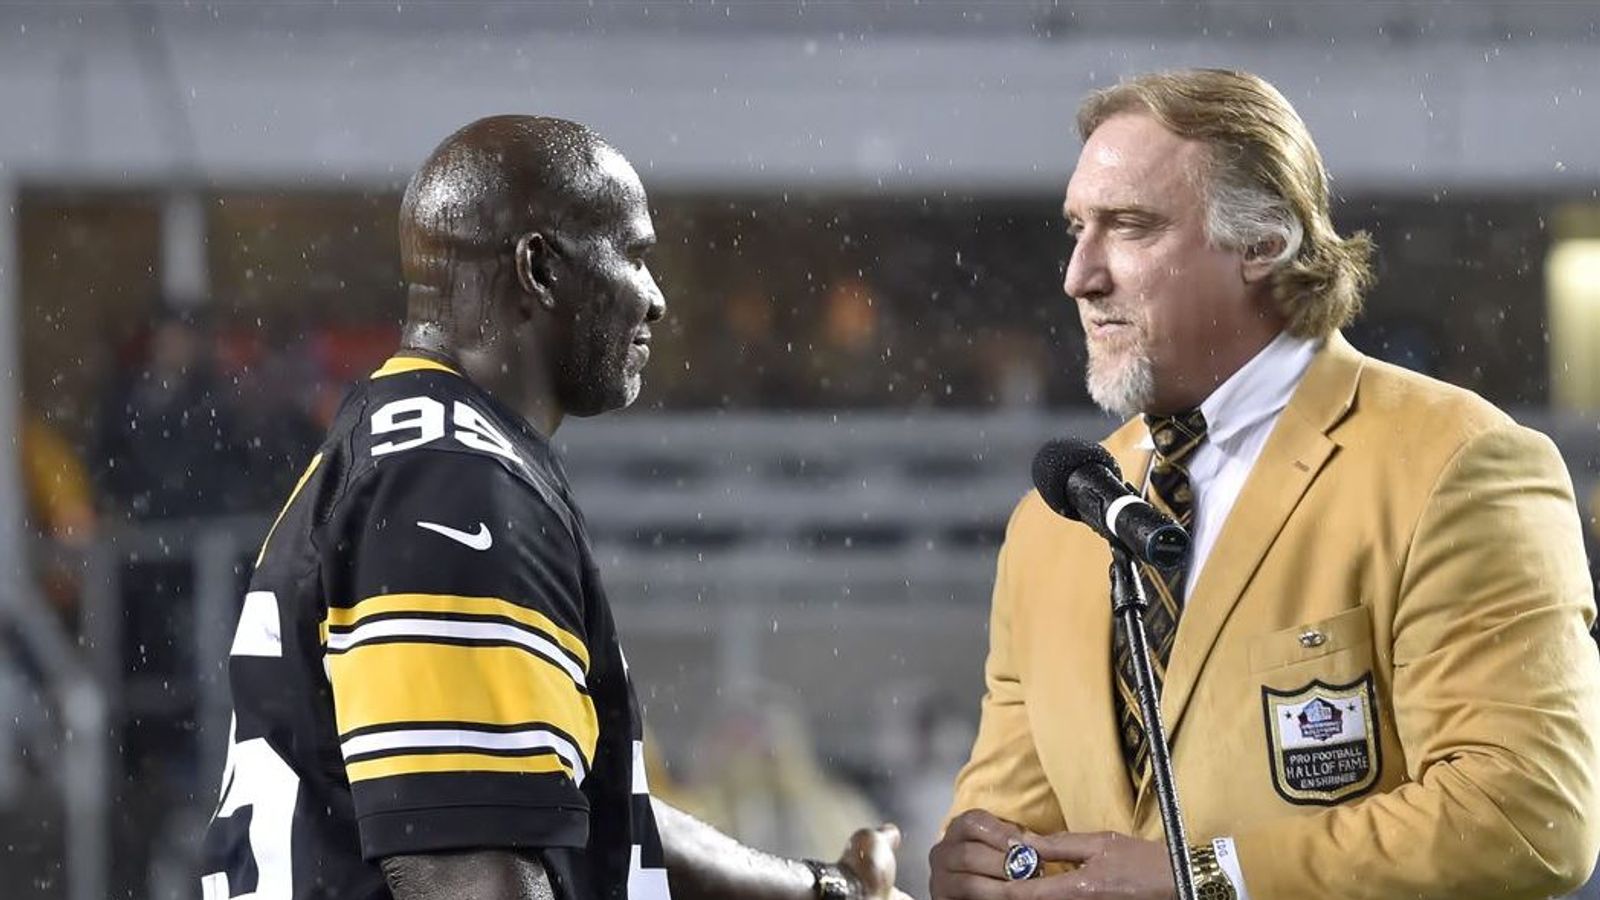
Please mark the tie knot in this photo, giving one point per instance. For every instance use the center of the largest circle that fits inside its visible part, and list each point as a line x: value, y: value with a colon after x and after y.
x: 1176, y: 436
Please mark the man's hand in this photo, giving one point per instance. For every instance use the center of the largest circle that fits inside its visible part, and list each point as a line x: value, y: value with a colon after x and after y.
x: 1108, y: 865
x: 705, y: 864
x: 969, y: 862
x: 868, y: 860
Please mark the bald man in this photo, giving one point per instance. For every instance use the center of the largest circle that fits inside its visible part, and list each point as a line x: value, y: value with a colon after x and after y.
x: 430, y: 697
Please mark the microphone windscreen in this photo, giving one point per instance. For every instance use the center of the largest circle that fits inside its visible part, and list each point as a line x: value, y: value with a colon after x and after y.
x: 1057, y: 460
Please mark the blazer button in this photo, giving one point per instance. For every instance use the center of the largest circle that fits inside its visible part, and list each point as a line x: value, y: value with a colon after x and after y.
x: 1312, y: 638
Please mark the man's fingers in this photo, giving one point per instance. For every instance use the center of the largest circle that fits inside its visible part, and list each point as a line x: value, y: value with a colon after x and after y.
x: 980, y: 825
x: 1064, y: 886
x: 969, y: 863
x: 870, y: 855
x: 868, y: 842
x: 1068, y: 846
x: 975, y: 858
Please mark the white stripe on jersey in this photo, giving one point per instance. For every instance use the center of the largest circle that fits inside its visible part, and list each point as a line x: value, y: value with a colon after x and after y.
x: 259, y: 632
x: 646, y: 884
x: 463, y: 630
x: 214, y: 886
x: 467, y: 739
x: 641, y: 784
x: 643, y: 883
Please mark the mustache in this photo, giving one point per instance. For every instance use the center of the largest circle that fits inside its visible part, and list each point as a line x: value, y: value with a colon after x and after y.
x: 1109, y: 317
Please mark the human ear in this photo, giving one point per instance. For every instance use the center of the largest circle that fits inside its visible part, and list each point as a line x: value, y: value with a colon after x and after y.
x: 534, y: 270
x: 1260, y: 259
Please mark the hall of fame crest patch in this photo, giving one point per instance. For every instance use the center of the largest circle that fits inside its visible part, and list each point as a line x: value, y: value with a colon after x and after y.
x: 1323, y: 741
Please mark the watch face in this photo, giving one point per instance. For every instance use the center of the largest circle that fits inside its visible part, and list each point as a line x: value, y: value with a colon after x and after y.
x: 1022, y: 863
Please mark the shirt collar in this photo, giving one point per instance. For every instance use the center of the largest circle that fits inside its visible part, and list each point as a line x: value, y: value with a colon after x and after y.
x: 1258, y: 391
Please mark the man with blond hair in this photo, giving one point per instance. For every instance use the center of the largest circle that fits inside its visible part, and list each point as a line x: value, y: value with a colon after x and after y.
x: 1374, y: 667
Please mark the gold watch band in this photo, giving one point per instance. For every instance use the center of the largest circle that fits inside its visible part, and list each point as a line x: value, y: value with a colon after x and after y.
x: 1210, y: 882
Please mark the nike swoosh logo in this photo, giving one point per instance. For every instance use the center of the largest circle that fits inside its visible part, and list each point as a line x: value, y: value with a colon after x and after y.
x: 483, y: 540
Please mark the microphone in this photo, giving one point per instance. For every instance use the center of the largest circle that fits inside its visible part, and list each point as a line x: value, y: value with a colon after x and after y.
x: 1081, y: 481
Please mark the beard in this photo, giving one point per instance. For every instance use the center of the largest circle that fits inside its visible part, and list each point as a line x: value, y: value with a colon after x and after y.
x: 598, y: 374
x: 632, y: 384
x: 1121, y: 383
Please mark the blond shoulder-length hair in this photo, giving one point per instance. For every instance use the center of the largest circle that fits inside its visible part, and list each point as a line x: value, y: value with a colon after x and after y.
x: 1264, y: 184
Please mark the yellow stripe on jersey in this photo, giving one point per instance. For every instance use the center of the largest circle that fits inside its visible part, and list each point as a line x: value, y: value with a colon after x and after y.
x: 452, y: 603
x: 304, y: 477
x: 399, y: 364
x: 394, y: 683
x: 418, y: 763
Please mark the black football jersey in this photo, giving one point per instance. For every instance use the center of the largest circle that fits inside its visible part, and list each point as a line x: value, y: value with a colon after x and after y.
x: 425, y: 661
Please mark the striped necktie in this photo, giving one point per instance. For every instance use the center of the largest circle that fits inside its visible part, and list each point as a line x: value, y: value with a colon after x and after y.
x: 1176, y: 438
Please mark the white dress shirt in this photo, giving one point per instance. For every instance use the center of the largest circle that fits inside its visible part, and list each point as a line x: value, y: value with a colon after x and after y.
x: 1239, y: 415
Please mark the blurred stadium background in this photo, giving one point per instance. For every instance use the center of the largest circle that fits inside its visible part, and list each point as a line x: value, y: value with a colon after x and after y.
x: 861, y: 249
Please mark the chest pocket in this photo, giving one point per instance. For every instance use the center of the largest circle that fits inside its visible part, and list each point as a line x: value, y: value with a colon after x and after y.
x: 1336, y: 648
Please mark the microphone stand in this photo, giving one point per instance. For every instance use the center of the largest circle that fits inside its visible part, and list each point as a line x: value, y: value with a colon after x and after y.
x: 1128, y: 604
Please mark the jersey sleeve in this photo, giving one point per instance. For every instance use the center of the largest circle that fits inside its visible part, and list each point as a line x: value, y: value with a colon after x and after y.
x: 457, y: 660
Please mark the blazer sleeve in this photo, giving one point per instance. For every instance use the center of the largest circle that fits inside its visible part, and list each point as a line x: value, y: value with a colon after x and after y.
x: 1496, y: 699
x: 1003, y: 775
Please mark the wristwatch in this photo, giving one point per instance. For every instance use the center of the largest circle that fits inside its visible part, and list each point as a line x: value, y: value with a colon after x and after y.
x: 827, y: 880
x: 1210, y: 882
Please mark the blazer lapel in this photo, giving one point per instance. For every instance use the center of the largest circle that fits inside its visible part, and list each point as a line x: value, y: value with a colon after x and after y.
x: 1294, y: 454
x: 1126, y: 447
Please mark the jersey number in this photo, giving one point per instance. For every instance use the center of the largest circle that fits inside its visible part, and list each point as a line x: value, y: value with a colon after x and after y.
x: 252, y: 824
x: 416, y: 421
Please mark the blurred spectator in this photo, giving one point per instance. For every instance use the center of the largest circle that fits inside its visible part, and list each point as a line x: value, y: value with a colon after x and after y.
x: 60, y: 508
x: 166, y: 445
x: 60, y: 500
x: 759, y: 780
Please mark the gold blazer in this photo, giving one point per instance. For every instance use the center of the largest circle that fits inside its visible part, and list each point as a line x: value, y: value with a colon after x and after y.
x: 1382, y: 685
